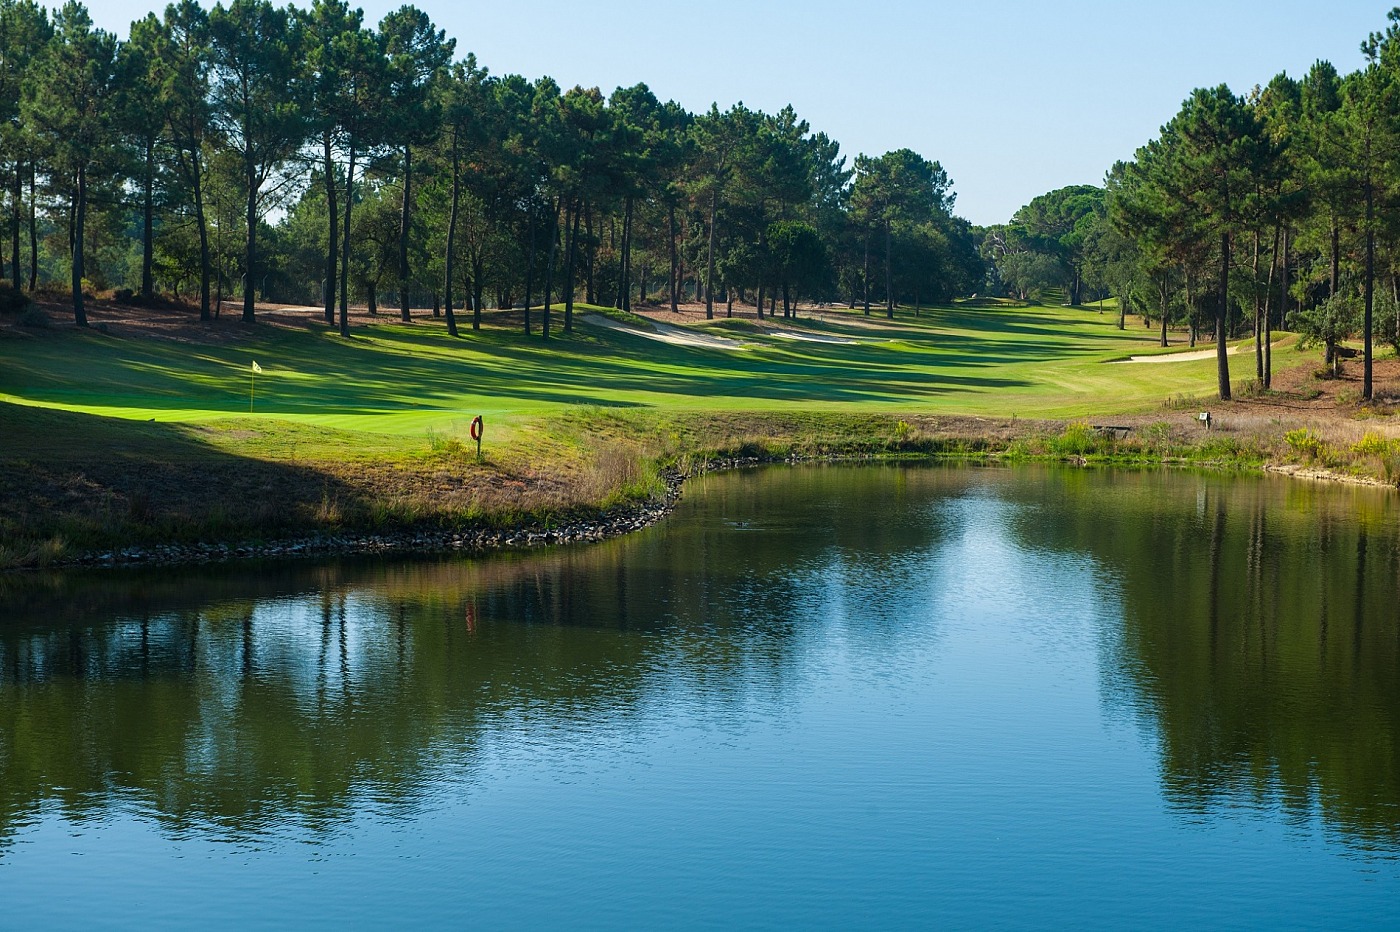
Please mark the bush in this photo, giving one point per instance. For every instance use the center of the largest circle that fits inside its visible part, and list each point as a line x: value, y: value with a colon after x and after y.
x: 12, y: 301
x: 1304, y: 442
x: 123, y: 295
x: 1373, y: 444
x: 35, y: 317
x: 1077, y: 440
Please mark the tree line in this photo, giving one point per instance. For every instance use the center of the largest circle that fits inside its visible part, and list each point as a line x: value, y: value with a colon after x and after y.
x: 303, y: 155
x: 1247, y: 213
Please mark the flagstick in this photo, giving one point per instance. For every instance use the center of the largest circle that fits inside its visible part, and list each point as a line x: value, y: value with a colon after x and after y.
x: 252, y: 382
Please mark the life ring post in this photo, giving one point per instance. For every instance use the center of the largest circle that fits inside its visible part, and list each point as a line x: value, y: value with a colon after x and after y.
x: 478, y: 428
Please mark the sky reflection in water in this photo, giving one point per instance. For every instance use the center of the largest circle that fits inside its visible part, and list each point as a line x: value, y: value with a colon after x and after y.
x: 827, y: 696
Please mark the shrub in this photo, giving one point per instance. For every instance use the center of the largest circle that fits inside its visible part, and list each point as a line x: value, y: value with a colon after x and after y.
x: 1077, y: 440
x: 12, y: 301
x: 34, y: 316
x: 123, y: 295
x: 1304, y: 442
x: 1373, y: 444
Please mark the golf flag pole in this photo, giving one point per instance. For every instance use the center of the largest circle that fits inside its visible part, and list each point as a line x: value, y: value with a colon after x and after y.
x: 252, y: 384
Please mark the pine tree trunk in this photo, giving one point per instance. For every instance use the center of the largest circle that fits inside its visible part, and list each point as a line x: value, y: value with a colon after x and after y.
x: 889, y: 275
x: 1268, y: 316
x: 530, y: 273
x: 404, y: 221
x: 251, y: 245
x: 549, y: 268
x: 569, y: 267
x: 1336, y: 258
x: 865, y: 276
x: 79, y: 214
x: 1164, y: 294
x: 17, y: 206
x: 478, y: 273
x: 1259, y: 316
x: 627, y: 259
x: 148, y: 286
x: 675, y: 264
x: 449, y: 260
x: 332, y: 231
x: 345, y: 246
x: 1370, y: 286
x: 1222, y: 359
x: 206, y: 262
x: 33, y: 228
x: 590, y: 296
x: 710, y: 257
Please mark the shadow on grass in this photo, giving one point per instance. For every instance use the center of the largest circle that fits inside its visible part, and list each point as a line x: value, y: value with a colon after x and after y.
x: 96, y: 482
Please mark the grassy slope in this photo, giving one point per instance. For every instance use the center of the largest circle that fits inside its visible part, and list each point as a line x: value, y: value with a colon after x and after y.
x: 404, y: 379
x: 359, y: 433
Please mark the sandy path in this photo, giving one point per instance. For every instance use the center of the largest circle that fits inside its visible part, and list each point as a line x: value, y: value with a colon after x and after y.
x: 813, y: 337
x: 1191, y: 356
x: 666, y: 333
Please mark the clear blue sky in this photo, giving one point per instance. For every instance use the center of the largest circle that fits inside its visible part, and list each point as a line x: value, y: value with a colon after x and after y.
x: 1015, y: 97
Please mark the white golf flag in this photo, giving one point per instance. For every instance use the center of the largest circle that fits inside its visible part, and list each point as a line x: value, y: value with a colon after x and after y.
x: 256, y: 367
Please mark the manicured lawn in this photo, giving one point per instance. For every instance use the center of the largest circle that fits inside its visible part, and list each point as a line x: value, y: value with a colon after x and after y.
x: 408, y: 379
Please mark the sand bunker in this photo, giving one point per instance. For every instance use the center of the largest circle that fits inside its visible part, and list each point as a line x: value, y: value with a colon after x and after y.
x: 666, y: 333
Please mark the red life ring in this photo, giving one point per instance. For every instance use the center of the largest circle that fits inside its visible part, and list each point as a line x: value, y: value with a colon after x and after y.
x: 478, y: 427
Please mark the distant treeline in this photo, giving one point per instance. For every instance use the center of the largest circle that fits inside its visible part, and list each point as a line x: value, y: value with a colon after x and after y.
x: 281, y: 154
x: 1278, y: 207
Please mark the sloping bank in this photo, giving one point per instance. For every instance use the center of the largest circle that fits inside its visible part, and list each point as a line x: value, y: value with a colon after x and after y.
x: 79, y: 490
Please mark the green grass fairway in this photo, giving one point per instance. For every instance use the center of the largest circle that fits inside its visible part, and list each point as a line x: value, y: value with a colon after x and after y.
x: 141, y: 434
x: 402, y: 379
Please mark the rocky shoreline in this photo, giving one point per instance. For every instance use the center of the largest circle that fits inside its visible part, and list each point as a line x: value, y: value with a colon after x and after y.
x: 482, y: 540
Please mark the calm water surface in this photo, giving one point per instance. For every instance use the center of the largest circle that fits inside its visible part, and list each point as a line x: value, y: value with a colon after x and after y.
x: 829, y: 696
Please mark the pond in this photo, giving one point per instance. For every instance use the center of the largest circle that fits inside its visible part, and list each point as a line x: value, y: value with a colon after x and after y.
x: 817, y: 696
